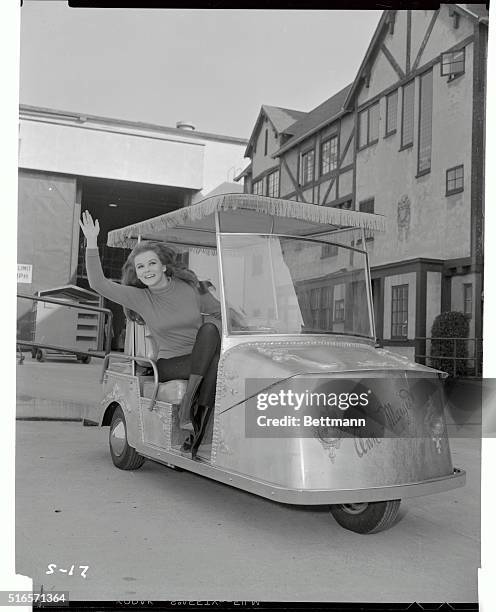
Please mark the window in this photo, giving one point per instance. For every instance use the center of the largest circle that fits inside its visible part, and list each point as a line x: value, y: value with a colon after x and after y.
x: 399, y: 311
x: 329, y: 155
x: 307, y: 166
x: 367, y: 206
x: 454, y: 180
x: 339, y: 310
x: 258, y: 187
x: 339, y: 303
x: 266, y: 144
x: 273, y: 184
x: 391, y: 113
x: 467, y: 299
x: 407, y: 115
x: 329, y: 250
x: 344, y: 205
x: 453, y: 63
x: 368, y: 126
x: 425, y: 124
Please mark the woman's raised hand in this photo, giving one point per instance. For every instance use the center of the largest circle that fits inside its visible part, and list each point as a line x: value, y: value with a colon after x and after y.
x: 90, y: 228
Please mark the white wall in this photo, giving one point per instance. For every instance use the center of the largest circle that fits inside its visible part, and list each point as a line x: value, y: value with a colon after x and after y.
x: 222, y: 162
x: 77, y: 150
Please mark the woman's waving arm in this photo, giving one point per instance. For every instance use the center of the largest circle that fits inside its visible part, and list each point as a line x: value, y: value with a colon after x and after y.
x: 131, y: 297
x: 90, y: 228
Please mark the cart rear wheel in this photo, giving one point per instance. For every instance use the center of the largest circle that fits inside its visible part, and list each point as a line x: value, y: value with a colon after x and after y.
x: 40, y: 355
x: 123, y: 456
x: 84, y: 358
x: 366, y: 517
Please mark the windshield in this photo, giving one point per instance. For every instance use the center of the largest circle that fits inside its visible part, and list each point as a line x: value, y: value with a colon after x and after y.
x: 280, y: 285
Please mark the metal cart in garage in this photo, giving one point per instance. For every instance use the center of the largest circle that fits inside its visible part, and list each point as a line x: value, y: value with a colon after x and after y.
x: 81, y: 330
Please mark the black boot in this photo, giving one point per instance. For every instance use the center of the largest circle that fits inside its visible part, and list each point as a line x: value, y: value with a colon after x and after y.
x: 187, y: 444
x: 204, y: 417
x: 185, y: 408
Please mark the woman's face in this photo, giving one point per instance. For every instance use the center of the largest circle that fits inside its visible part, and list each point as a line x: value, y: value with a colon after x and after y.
x: 150, y: 270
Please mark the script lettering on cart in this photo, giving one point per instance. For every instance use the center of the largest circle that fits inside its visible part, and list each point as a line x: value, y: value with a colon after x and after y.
x: 364, y: 445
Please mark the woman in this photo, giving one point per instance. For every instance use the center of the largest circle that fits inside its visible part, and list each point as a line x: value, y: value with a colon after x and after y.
x: 165, y: 297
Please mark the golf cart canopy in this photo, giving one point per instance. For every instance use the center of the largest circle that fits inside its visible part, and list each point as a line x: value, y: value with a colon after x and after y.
x: 242, y: 213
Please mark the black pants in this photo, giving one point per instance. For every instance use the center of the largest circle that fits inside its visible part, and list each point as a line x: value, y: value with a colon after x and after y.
x: 203, y: 361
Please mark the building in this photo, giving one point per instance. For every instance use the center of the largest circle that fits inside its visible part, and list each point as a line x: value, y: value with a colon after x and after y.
x: 262, y: 176
x: 405, y: 140
x: 121, y: 171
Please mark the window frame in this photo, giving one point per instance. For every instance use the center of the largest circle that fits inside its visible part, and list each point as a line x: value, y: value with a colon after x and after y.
x: 390, y: 132
x: 363, y: 204
x: 403, y: 144
x: 260, y: 181
x: 423, y: 171
x: 344, y: 205
x: 450, y: 74
x: 341, y: 301
x: 329, y: 250
x: 466, y: 301
x: 271, y: 174
x: 329, y: 139
x: 455, y: 189
x: 393, y: 312
x: 303, y: 154
x: 367, y: 110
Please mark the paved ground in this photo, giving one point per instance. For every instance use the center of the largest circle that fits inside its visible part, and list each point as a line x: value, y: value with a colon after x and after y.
x: 57, y: 388
x: 160, y: 534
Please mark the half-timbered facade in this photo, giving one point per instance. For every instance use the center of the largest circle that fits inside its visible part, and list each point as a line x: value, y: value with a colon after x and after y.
x: 263, y: 176
x: 317, y: 157
x: 418, y: 104
x: 405, y: 140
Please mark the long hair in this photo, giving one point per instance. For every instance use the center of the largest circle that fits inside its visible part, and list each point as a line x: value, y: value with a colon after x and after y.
x: 168, y: 257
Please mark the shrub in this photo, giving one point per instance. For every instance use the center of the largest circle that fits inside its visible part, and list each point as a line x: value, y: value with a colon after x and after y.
x: 446, y: 327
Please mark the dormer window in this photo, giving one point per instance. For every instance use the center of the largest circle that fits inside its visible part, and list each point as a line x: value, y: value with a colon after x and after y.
x: 453, y: 63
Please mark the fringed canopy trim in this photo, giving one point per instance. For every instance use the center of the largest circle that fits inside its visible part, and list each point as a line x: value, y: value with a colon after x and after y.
x: 276, y: 207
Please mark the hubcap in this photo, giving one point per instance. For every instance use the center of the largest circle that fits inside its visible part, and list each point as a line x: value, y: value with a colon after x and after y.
x: 118, y: 438
x: 354, y: 508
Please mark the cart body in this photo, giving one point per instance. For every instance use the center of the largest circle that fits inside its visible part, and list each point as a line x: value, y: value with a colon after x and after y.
x: 294, y: 287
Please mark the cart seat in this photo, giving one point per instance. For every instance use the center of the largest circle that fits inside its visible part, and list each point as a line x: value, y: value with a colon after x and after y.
x: 171, y: 391
x: 139, y: 339
x: 123, y: 367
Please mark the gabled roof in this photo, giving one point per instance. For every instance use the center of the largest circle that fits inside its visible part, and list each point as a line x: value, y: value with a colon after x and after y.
x: 225, y: 187
x: 316, y: 119
x: 280, y: 119
x: 371, y: 50
x: 477, y: 12
x: 243, y: 173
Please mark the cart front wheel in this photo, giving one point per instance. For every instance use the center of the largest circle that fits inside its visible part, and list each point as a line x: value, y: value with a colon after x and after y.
x: 366, y: 517
x: 123, y: 456
x: 84, y: 358
x: 40, y: 355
